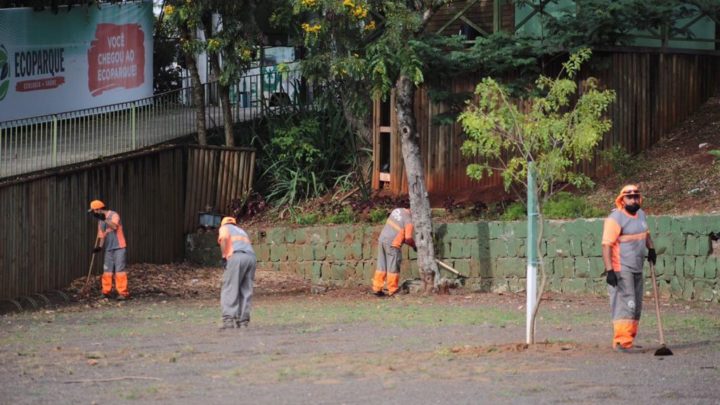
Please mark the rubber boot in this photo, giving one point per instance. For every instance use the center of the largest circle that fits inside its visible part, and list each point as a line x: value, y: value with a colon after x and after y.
x: 107, y: 279
x: 121, y: 285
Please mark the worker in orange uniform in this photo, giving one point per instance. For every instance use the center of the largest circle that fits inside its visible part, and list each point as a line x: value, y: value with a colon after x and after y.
x: 237, y: 288
x: 624, y: 243
x: 398, y: 230
x: 112, y: 240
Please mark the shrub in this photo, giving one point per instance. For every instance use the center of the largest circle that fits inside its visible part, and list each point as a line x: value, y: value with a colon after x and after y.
x: 310, y: 218
x: 378, y: 215
x: 622, y: 163
x: 564, y: 205
x: 514, y: 212
x: 346, y: 216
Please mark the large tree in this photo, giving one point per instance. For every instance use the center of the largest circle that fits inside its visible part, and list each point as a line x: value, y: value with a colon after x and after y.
x: 185, y: 18
x: 372, y: 42
x: 230, y: 37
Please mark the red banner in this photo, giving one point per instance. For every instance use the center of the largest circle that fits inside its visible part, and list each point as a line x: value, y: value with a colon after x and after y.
x: 116, y: 58
x: 39, y: 84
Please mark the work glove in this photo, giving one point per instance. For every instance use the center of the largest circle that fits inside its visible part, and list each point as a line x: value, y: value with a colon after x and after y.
x: 652, y: 256
x: 611, y: 277
x: 97, y: 249
x: 224, y: 262
x: 99, y: 215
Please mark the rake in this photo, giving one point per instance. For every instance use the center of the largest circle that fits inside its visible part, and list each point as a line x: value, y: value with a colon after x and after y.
x: 663, y: 350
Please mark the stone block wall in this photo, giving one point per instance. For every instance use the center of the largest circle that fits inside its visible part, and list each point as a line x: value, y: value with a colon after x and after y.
x: 490, y: 254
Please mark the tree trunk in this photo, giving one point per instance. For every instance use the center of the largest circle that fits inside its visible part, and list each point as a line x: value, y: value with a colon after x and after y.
x: 223, y: 89
x: 198, y: 91
x: 224, y: 93
x: 419, y: 201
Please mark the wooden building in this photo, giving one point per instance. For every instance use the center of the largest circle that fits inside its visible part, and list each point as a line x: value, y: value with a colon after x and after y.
x: 656, y: 89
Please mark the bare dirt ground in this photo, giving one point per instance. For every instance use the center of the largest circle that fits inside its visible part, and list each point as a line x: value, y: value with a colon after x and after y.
x: 678, y: 176
x: 347, y: 347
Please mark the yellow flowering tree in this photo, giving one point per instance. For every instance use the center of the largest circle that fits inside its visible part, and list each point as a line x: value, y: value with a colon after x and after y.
x: 359, y: 49
x: 230, y: 36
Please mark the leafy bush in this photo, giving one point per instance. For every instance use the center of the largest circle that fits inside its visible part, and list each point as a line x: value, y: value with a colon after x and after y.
x: 378, y: 215
x: 622, y: 163
x: 715, y: 153
x: 310, y: 218
x: 346, y: 216
x: 303, y: 153
x: 564, y: 205
x: 514, y: 212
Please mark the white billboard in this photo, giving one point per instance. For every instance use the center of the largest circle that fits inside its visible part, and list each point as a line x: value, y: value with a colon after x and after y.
x: 74, y: 59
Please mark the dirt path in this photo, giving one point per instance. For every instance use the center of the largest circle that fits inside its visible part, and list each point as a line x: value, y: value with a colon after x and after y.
x: 349, y: 347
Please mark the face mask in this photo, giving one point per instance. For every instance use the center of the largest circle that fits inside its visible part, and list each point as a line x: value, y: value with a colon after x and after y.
x: 632, y: 208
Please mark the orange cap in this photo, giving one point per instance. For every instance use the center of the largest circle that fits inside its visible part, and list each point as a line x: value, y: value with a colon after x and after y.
x: 227, y: 220
x: 96, y: 205
x: 630, y: 189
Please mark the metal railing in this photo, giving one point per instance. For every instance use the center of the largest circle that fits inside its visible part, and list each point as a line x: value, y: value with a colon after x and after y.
x: 45, y: 142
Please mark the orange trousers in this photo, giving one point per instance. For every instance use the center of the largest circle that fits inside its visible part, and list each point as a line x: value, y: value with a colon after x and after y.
x: 120, y: 283
x: 392, y: 281
x: 624, y: 332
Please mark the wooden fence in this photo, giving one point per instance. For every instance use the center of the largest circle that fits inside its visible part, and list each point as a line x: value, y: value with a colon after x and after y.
x: 216, y: 176
x: 656, y: 90
x: 46, y: 235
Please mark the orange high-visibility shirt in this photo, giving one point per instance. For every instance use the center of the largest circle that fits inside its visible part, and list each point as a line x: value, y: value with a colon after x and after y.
x: 114, y: 239
x: 231, y: 239
x: 626, y: 235
x: 398, y: 229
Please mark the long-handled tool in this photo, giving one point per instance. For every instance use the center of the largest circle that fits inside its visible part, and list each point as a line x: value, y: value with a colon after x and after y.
x: 663, y: 350
x: 450, y: 269
x: 85, y: 288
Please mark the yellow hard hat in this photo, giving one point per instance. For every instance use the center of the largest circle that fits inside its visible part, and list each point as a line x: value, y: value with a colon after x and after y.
x: 96, y: 205
x: 630, y: 189
x: 227, y: 220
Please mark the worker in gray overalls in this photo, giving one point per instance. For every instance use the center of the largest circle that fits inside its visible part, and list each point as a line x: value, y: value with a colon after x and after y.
x: 237, y: 287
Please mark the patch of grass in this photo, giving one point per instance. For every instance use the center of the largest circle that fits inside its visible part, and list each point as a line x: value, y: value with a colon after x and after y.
x: 309, y: 329
x: 297, y: 373
x: 310, y: 218
x: 383, y: 312
x: 697, y: 326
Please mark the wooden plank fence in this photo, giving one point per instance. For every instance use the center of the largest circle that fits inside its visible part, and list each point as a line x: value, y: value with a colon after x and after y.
x: 216, y: 176
x: 656, y: 90
x: 46, y: 235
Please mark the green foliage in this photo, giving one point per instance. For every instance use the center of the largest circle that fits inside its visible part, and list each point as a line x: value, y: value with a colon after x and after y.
x: 553, y: 134
x: 622, y: 163
x: 346, y: 216
x: 302, y: 152
x: 309, y: 218
x: 358, y: 41
x: 455, y: 102
x: 293, y: 164
x: 165, y: 53
x: 378, y: 215
x: 715, y: 153
x: 514, y: 212
x: 495, y: 56
x: 564, y: 205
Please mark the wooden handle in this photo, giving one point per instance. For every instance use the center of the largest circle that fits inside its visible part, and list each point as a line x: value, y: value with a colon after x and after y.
x: 92, y: 261
x: 448, y: 268
x: 657, y: 304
